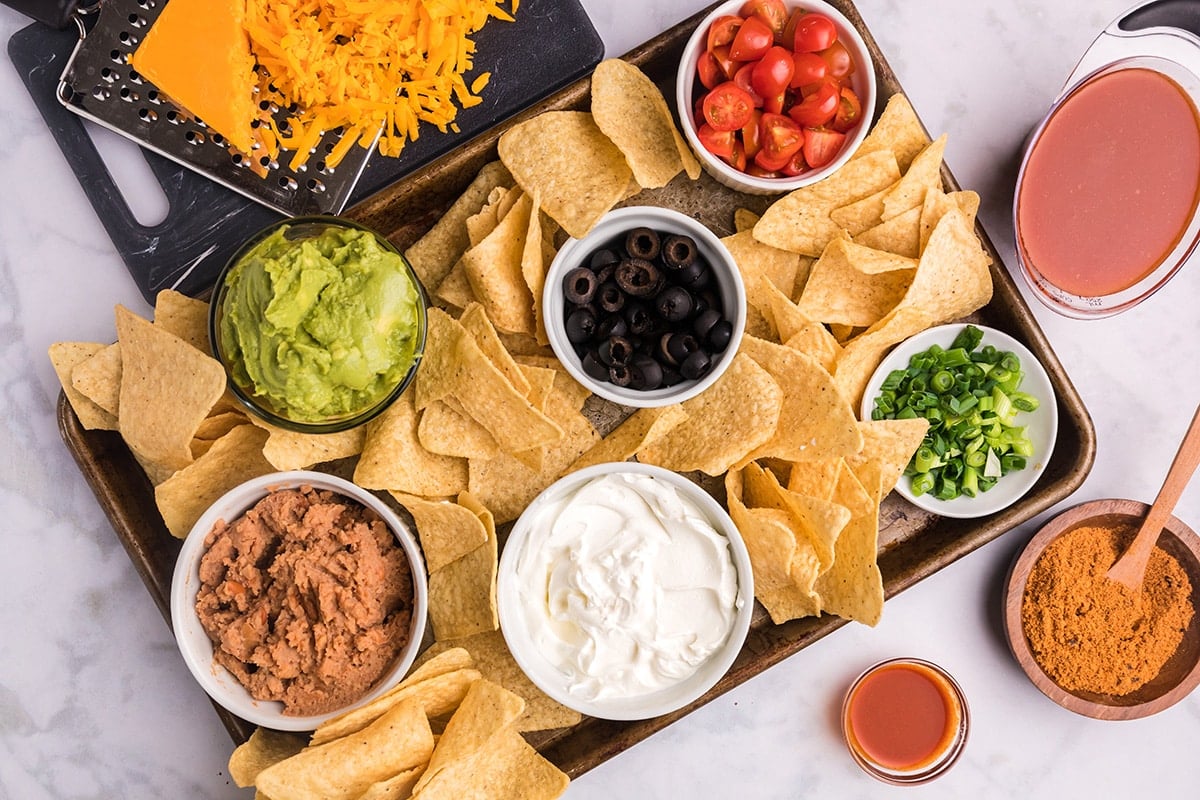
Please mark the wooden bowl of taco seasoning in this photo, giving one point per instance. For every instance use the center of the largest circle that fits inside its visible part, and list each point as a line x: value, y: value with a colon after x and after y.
x: 1090, y: 644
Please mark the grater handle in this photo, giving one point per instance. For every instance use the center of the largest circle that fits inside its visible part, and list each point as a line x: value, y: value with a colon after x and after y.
x: 57, y: 14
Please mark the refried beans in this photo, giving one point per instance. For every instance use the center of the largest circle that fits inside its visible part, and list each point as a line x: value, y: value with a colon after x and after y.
x: 307, y: 598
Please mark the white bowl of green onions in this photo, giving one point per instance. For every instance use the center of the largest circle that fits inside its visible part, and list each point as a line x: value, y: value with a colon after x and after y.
x: 992, y: 417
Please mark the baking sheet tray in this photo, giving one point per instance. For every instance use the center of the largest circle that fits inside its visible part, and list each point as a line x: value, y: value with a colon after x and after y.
x: 913, y: 543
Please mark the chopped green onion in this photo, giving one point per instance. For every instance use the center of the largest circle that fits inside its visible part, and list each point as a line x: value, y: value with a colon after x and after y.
x: 969, y: 393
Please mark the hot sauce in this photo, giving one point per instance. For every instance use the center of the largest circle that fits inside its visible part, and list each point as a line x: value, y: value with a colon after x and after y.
x: 1110, y: 184
x: 905, y: 720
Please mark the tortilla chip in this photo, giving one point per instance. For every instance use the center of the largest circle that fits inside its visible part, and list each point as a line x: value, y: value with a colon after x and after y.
x: 639, y: 429
x: 900, y: 235
x: 952, y: 277
x: 65, y: 356
x: 98, y: 378
x: 447, y: 530
x: 444, y: 430
x: 494, y: 661
x: 758, y: 263
x: 800, y: 221
x: 462, y: 593
x: 815, y: 421
x: 853, y: 587
x: 730, y: 419
x: 862, y: 214
x: 345, y: 768
x: 566, y: 160
x: 924, y: 173
x: 264, y: 748
x: 487, y: 708
x: 897, y: 130
x: 632, y: 112
x: 398, y: 787
x: 393, y: 458
x: 817, y: 478
x: 433, y: 255
x: 455, y: 289
x: 167, y: 389
x: 861, y: 356
x: 233, y: 459
x: 439, y: 684
x: 493, y: 268
x: 508, y: 767
x: 535, y: 262
x: 839, y: 292
x: 477, y: 323
x: 891, y: 443
x: 287, y: 450
x: 184, y: 316
x: 744, y: 219
x: 937, y: 203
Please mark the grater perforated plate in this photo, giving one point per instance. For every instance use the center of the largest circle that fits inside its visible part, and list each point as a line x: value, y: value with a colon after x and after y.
x: 99, y: 83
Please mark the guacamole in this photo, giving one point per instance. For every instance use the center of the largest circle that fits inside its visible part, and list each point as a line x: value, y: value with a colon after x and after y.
x: 322, y: 327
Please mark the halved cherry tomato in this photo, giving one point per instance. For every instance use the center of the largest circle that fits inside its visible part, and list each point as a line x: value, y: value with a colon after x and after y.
x: 814, y: 32
x: 838, y: 60
x: 772, y: 12
x: 769, y: 163
x: 796, y: 164
x: 849, y: 111
x: 819, y: 105
x: 752, y: 134
x: 719, y: 143
x: 725, y: 62
x: 822, y: 146
x: 709, y: 70
x: 737, y: 159
x: 751, y: 41
x: 758, y: 172
x: 781, y: 137
x: 722, y: 31
x: 807, y: 68
x: 771, y: 76
x: 728, y: 107
x: 744, y: 79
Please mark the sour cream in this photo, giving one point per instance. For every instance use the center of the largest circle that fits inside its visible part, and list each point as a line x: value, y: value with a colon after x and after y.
x: 626, y: 586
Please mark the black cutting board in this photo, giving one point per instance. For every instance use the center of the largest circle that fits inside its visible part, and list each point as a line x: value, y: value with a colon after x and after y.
x: 551, y: 43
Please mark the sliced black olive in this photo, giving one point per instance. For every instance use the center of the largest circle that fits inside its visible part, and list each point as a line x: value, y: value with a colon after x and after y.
x: 579, y: 286
x: 638, y: 277
x: 720, y: 335
x: 606, y: 273
x: 678, y: 251
x: 711, y: 299
x: 602, y: 258
x: 696, y: 365
x: 670, y: 376
x: 580, y: 325
x: 680, y: 346
x: 705, y: 322
x: 673, y: 304
x: 696, y: 276
x: 641, y: 321
x: 620, y: 375
x: 642, y: 243
x: 611, y: 325
x: 615, y: 350
x: 610, y: 297
x: 594, y: 367
x: 645, y: 373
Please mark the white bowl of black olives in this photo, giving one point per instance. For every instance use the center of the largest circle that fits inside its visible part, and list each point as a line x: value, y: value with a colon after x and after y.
x: 646, y: 310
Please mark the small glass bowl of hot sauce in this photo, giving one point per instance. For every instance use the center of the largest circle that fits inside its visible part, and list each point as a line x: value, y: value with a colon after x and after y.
x: 905, y: 721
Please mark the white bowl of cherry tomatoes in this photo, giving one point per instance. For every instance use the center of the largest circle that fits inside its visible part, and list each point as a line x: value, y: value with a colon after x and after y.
x: 775, y: 94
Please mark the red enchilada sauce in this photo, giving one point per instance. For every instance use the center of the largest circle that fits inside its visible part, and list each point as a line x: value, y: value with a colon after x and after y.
x: 1111, y: 184
x: 903, y: 716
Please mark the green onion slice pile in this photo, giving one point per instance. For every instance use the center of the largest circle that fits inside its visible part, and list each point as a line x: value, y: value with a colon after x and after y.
x: 971, y: 397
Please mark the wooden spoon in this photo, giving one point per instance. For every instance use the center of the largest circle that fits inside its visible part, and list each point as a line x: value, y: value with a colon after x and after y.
x: 1130, y: 567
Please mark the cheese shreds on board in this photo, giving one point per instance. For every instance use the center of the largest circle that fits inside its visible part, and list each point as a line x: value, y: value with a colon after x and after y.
x: 367, y: 67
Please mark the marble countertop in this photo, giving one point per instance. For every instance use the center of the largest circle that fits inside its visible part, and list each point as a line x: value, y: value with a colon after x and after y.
x: 96, y: 702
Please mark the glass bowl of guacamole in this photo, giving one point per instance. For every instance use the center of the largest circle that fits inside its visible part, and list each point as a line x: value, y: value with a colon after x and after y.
x: 319, y: 322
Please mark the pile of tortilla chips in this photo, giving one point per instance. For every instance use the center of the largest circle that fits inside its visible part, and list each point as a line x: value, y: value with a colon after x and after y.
x: 446, y: 731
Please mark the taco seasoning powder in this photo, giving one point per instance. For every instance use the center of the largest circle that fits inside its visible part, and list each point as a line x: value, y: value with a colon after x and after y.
x: 1091, y: 634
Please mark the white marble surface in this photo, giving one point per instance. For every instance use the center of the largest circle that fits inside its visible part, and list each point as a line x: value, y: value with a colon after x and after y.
x: 95, y: 701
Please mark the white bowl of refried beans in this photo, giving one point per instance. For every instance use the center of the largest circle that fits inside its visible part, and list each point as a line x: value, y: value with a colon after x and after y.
x: 296, y: 597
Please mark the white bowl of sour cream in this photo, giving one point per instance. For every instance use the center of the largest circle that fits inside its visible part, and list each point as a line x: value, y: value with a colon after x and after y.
x: 625, y: 591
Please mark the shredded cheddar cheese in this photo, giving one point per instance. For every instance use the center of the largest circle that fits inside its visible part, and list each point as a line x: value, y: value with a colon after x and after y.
x: 367, y: 67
